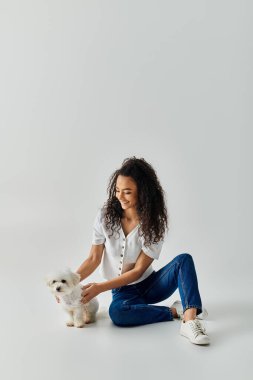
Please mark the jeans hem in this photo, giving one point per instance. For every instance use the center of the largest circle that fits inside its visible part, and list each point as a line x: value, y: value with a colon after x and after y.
x: 198, y: 307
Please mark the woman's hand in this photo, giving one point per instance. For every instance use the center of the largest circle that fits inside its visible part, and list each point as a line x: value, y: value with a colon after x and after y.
x: 90, y: 291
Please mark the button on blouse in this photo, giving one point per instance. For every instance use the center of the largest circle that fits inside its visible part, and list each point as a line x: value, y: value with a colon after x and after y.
x: 121, y: 252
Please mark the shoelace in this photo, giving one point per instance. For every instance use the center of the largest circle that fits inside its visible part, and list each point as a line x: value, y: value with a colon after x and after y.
x: 197, y: 328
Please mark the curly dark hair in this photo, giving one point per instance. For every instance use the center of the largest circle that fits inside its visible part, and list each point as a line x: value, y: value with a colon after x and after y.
x: 151, y: 207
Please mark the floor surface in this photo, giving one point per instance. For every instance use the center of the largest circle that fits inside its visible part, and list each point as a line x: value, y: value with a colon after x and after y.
x: 36, y: 344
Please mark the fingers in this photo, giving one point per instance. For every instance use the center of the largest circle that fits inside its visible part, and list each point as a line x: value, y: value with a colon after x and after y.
x: 86, y: 296
x: 86, y: 293
x: 85, y: 300
x: 83, y: 295
x: 86, y: 286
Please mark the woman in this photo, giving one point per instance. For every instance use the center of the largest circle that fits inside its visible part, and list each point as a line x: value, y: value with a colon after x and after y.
x: 128, y: 235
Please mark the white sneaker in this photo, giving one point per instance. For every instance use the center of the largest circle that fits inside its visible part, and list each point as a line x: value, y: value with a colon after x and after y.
x: 179, y: 307
x: 194, y: 331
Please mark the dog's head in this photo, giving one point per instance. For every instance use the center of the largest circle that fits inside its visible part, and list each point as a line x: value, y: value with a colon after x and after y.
x: 61, y: 283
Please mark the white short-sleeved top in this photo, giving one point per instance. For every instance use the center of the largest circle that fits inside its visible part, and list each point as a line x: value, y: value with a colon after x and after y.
x: 121, y: 252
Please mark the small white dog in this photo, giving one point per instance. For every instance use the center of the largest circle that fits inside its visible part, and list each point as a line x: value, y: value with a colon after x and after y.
x: 66, y: 286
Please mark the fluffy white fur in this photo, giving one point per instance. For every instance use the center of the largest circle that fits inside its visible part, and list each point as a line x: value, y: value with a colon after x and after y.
x: 66, y: 286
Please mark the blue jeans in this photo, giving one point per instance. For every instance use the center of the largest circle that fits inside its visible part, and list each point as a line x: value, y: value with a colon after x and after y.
x: 130, y: 304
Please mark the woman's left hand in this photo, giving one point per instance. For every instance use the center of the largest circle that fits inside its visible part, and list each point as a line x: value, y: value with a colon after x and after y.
x: 90, y: 291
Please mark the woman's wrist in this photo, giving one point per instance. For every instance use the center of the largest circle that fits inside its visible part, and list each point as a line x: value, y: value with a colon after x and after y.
x: 102, y: 287
x: 124, y: 279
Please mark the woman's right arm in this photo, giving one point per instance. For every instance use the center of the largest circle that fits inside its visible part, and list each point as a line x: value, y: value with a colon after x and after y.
x: 92, y: 262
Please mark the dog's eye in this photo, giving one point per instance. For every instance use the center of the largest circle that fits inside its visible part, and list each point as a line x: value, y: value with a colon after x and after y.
x: 63, y: 281
x: 53, y: 281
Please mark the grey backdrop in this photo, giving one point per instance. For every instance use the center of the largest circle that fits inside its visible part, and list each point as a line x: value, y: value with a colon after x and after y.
x: 85, y: 84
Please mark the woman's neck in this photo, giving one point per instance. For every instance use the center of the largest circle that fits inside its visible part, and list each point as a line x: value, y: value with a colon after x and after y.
x: 130, y: 216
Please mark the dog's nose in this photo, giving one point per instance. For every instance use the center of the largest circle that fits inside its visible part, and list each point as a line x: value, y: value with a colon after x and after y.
x: 58, y: 289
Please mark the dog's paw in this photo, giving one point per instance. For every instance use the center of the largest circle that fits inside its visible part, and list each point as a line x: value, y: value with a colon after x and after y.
x: 79, y: 324
x: 70, y: 323
x: 90, y: 320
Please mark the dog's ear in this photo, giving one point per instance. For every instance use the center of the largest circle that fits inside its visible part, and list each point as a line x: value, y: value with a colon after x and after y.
x: 76, y: 278
x: 47, y: 280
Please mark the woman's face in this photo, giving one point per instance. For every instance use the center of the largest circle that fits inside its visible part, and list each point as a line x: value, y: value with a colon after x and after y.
x: 126, y: 192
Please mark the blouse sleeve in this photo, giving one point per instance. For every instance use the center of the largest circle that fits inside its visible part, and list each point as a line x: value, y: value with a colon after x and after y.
x: 98, y: 236
x: 153, y: 250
